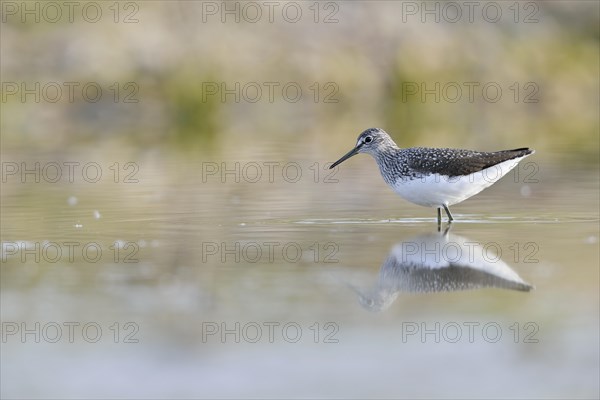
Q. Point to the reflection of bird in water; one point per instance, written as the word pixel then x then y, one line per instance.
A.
pixel 438 263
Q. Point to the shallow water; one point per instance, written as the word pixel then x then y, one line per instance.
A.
pixel 186 283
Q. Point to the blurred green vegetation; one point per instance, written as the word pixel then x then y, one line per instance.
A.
pixel 171 51
pixel 195 118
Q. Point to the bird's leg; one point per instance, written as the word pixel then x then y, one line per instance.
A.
pixel 450 219
pixel 448 227
pixel 439 218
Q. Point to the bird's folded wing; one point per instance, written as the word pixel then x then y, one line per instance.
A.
pixel 456 162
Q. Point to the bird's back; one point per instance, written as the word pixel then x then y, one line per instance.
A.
pixel 457 162
pixel 433 177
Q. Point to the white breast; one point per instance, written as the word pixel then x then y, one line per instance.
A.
pixel 436 190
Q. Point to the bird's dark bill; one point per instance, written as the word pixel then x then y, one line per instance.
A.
pixel 351 153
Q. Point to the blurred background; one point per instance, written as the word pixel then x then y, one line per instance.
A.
pixel 543 57
pixel 212 124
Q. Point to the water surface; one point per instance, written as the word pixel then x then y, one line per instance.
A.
pixel 208 287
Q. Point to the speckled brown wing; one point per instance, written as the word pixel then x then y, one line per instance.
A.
pixel 456 162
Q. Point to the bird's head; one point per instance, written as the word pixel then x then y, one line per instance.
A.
pixel 369 141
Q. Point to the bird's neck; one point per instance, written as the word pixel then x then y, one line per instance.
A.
pixel 390 163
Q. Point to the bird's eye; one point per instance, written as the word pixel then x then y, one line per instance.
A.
pixel 368 139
